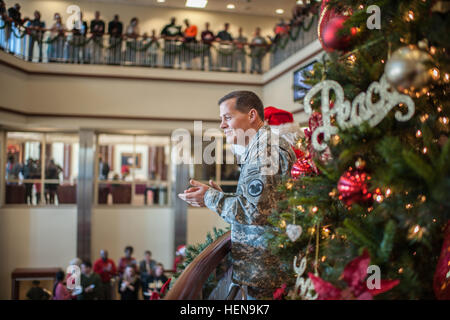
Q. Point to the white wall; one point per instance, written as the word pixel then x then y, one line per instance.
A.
pixel 143 228
pixel 35 238
pixel 200 221
pixel 116 97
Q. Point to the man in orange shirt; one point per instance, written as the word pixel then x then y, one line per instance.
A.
pixel 188 53
pixel 191 32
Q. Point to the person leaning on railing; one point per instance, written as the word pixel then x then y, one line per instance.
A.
pixel 301 12
pixel 258 48
pixel 143 46
pixel 282 28
pixel 207 40
pixel 148 49
pixel 153 49
pixel 132 34
pixel 13 21
pixel 225 56
pixel 171 33
pixel 189 41
pixel 15 14
pixel 115 29
pixel 35 31
pixel 77 47
pixel 97 30
pixel 239 54
pixel 57 39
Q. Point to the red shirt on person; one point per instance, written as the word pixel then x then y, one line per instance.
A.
pixel 106 269
pixel 124 262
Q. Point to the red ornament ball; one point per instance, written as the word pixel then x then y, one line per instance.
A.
pixel 353 188
pixel 331 37
pixel 302 167
pixel 441 283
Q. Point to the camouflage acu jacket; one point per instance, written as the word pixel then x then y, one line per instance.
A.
pixel 266 160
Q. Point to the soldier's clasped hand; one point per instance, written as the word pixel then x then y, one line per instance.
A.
pixel 194 195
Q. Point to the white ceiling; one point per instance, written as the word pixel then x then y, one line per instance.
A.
pixel 252 7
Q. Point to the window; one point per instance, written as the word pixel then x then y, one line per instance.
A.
pixel 300 87
pixel 133 169
pixel 42 168
pixel 31 183
pixel 224 170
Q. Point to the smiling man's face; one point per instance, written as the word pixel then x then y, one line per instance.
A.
pixel 234 123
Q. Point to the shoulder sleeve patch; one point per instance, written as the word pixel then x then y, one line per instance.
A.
pixel 255 187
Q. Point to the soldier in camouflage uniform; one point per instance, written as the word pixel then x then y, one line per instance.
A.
pixel 267 158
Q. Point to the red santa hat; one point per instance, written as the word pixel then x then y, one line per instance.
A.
pixel 181 250
pixel 275 116
pixel 282 123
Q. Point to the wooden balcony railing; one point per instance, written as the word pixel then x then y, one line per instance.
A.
pixel 189 285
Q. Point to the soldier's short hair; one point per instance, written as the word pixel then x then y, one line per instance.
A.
pixel 245 101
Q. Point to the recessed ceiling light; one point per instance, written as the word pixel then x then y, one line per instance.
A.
pixel 230 6
pixel 279 11
pixel 196 3
pixel 160 1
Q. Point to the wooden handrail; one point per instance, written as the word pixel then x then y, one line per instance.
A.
pixel 189 285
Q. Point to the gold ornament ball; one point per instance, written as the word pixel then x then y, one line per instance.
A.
pixel 406 69
pixel 360 164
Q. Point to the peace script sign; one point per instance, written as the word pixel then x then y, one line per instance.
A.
pixel 372 107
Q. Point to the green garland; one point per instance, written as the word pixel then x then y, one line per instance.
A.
pixel 20 36
pixel 292 35
pixel 84 42
pixel 101 45
pixel 132 45
pixel 192 251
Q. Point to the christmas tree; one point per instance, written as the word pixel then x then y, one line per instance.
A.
pixel 373 189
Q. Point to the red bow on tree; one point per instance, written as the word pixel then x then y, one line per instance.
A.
pixel 354 275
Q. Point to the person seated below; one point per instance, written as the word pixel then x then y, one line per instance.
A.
pixel 154 283
pixel 36 292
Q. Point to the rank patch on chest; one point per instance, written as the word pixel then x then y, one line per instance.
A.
pixel 255 187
